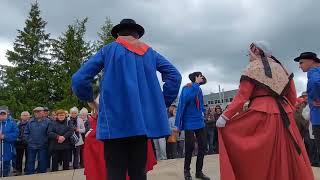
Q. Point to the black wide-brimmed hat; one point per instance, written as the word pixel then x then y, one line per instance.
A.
pixel 307 55
pixel 127 24
pixel 193 76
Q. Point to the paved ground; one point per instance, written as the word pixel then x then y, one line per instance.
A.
pixel 164 170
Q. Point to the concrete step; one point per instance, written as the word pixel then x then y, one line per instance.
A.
pixel 164 170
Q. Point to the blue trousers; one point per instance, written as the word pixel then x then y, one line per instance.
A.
pixel 6 169
pixel 42 161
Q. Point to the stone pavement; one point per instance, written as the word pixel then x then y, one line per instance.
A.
pixel 164 170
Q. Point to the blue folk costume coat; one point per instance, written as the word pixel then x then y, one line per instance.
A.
pixel 131 101
pixel 313 90
pixel 190 109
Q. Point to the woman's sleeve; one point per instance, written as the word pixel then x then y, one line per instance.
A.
pixel 245 90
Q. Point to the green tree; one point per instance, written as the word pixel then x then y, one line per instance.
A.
pixel 69 51
pixel 2 76
pixel 105 36
pixel 28 81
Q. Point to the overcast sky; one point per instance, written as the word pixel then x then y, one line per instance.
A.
pixel 195 35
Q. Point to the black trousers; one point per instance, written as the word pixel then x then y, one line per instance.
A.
pixel 189 147
pixel 171 149
pixel 58 156
pixel 76 157
pixel 316 133
pixel 126 155
pixel 20 153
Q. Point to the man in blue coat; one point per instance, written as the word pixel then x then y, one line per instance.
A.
pixel 8 135
pixel 190 118
pixel 310 63
pixel 36 136
pixel 132 106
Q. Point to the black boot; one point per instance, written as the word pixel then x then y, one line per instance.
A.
pixel 200 175
pixel 187 175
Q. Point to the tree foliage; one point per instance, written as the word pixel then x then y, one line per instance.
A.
pixel 69 51
pixel 43 66
pixel 28 81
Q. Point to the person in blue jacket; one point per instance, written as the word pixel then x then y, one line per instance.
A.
pixel 36 137
pixel 132 106
pixel 8 135
pixel 310 63
pixel 190 118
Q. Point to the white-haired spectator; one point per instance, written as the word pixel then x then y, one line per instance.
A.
pixel 84 116
pixel 78 126
pixel 84 110
pixel 74 110
pixel 21 145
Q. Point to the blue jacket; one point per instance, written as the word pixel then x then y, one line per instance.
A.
pixel 10 131
pixel 313 90
pixel 189 116
pixel 131 100
pixel 36 133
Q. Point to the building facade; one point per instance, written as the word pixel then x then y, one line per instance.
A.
pixel 223 98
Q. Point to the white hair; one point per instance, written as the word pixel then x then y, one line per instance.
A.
pixel 264 46
pixel 83 110
pixel 74 109
pixel 25 112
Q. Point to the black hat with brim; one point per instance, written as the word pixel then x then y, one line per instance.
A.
pixel 307 55
pixel 127 24
pixel 193 76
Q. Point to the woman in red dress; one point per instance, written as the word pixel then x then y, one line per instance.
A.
pixel 95 168
pixel 263 142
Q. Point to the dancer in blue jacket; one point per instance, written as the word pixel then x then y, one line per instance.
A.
pixel 129 82
pixel 190 118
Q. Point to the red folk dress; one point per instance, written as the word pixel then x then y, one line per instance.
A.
pixel 254 144
pixel 95 168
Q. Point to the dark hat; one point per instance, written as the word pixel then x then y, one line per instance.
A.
pixel 307 55
pixel 193 76
pixel 37 109
pixel 4 109
pixel 127 24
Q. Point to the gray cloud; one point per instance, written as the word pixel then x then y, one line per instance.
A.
pixel 210 36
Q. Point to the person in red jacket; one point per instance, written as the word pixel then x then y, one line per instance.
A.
pixel 95 167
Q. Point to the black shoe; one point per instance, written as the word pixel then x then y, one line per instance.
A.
pixel 315 164
pixel 187 175
pixel 200 175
